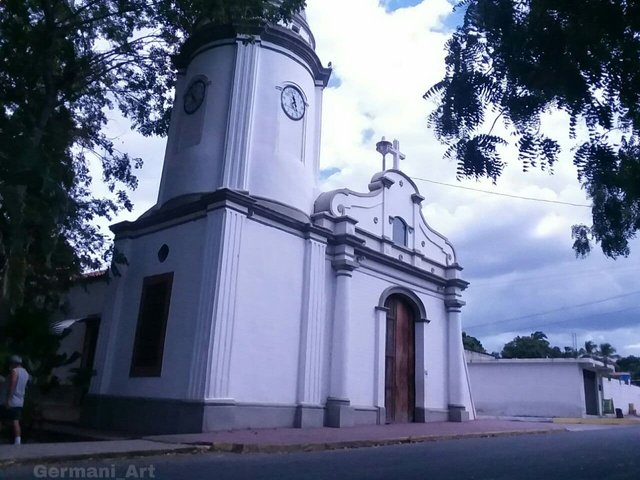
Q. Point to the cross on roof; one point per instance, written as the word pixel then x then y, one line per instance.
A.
pixel 384 147
pixel 396 154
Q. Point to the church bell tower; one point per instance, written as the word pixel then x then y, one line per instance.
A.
pixel 247 114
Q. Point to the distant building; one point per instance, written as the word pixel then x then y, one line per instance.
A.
pixel 545 387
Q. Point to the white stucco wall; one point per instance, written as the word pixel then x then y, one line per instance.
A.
pixel 431 375
pixel 536 388
pixel 83 300
pixel 284 158
pixel 195 146
pixel 118 328
pixel 240 137
pixel 266 337
pixel 621 393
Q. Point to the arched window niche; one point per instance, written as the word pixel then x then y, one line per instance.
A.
pixel 400 232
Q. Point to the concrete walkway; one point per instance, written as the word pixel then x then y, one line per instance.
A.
pixel 282 440
pixel 279 440
pixel 59 452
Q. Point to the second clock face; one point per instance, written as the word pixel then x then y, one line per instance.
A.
pixel 194 96
pixel 292 102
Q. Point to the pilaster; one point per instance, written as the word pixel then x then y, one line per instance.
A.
pixel 211 253
pixel 312 335
pixel 379 367
pixel 224 306
pixel 339 410
pixel 457 371
pixel 240 126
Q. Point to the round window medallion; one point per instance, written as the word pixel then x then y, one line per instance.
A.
pixel 375 220
pixel 163 253
pixel 401 183
pixel 194 96
pixel 423 244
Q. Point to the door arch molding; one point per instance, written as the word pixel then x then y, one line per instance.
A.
pixel 420 313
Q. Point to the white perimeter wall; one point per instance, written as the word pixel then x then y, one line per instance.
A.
pixel 621 393
pixel 527 389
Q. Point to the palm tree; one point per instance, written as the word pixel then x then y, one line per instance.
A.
pixel 590 349
pixel 607 353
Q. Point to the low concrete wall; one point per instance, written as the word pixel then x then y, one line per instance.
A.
pixel 621 393
pixel 527 389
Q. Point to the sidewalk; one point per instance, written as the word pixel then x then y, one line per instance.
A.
pixel 281 440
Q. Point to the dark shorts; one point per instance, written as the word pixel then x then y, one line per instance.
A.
pixel 10 413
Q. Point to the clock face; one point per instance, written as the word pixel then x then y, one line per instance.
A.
pixel 194 96
pixel 292 102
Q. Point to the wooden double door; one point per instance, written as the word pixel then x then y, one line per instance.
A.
pixel 400 362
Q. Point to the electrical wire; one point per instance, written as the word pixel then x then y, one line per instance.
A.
pixel 502 194
pixel 561 309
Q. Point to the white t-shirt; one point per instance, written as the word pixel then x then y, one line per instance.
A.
pixel 17 398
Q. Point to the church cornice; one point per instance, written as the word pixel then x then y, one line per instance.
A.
pixel 368 254
pixel 192 207
pixel 273 34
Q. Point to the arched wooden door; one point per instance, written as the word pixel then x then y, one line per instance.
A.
pixel 400 361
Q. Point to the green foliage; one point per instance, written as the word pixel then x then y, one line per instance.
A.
pixel 534 346
pixel 64 65
pixel 630 364
pixel 603 352
pixel 472 343
pixel 513 61
pixel 28 334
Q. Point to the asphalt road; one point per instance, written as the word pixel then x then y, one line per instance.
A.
pixel 604 454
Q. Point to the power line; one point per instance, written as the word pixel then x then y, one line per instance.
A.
pixel 524 279
pixel 502 194
pixel 599 314
pixel 561 309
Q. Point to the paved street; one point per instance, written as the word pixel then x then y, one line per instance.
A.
pixel 603 453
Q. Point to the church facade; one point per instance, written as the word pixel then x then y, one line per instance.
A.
pixel 248 299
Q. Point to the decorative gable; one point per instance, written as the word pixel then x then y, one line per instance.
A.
pixel 389 218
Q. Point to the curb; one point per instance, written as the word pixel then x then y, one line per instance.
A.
pixel 247 448
pixel 598 421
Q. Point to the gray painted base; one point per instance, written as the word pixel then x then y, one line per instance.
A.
pixel 309 416
pixel 339 413
pixel 458 413
pixel 153 416
pixel 433 415
pixel 142 415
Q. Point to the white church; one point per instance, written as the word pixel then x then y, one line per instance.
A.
pixel 250 299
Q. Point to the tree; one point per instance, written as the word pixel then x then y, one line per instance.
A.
pixel 472 343
pixel 64 65
pixel 630 364
pixel 534 346
pixel 590 350
pixel 607 353
pixel 512 61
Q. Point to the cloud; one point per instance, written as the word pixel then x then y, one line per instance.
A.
pixel 393 5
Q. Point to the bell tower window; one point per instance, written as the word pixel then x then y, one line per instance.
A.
pixel 399 232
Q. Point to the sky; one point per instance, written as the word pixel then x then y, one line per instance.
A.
pixel 516 253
